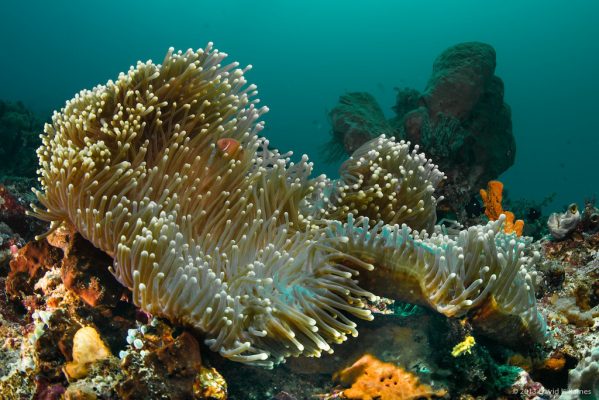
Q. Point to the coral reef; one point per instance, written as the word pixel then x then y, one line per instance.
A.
pixel 173 175
pixel 568 293
pixel 463 122
pixel 29 265
pixel 526 388
pixel 84 272
pixel 532 212
pixel 19 135
pixel 58 346
pixel 590 217
pixel 17 354
pixel 575 250
pixel 16 227
pixel 155 354
pixel 9 243
pixel 163 170
pixel 406 100
pixel 421 343
pixel 574 236
pixel 165 202
pixel 11 211
pixel 458 80
pixel 479 269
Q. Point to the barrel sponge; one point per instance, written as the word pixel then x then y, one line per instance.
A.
pixel 164 170
pixel 387 181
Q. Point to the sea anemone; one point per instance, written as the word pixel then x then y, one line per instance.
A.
pixel 386 181
pixel 164 170
pixel 481 269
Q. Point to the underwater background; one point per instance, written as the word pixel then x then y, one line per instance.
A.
pixel 306 54
pixel 170 250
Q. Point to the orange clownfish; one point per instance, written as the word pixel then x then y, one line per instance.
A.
pixel 229 146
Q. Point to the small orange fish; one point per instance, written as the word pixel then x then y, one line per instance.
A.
pixel 228 146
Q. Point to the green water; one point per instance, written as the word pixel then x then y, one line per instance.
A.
pixel 305 54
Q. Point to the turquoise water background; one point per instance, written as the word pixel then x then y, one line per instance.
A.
pixel 307 53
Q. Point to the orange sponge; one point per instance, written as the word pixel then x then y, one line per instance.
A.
pixel 492 198
pixel 370 378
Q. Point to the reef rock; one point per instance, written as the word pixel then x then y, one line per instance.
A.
pixel 9 243
pixel 84 271
pixel 158 365
pixel 29 265
pixel 15 197
pixel 569 299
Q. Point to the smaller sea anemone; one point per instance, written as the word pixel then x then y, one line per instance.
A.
pixel 386 181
